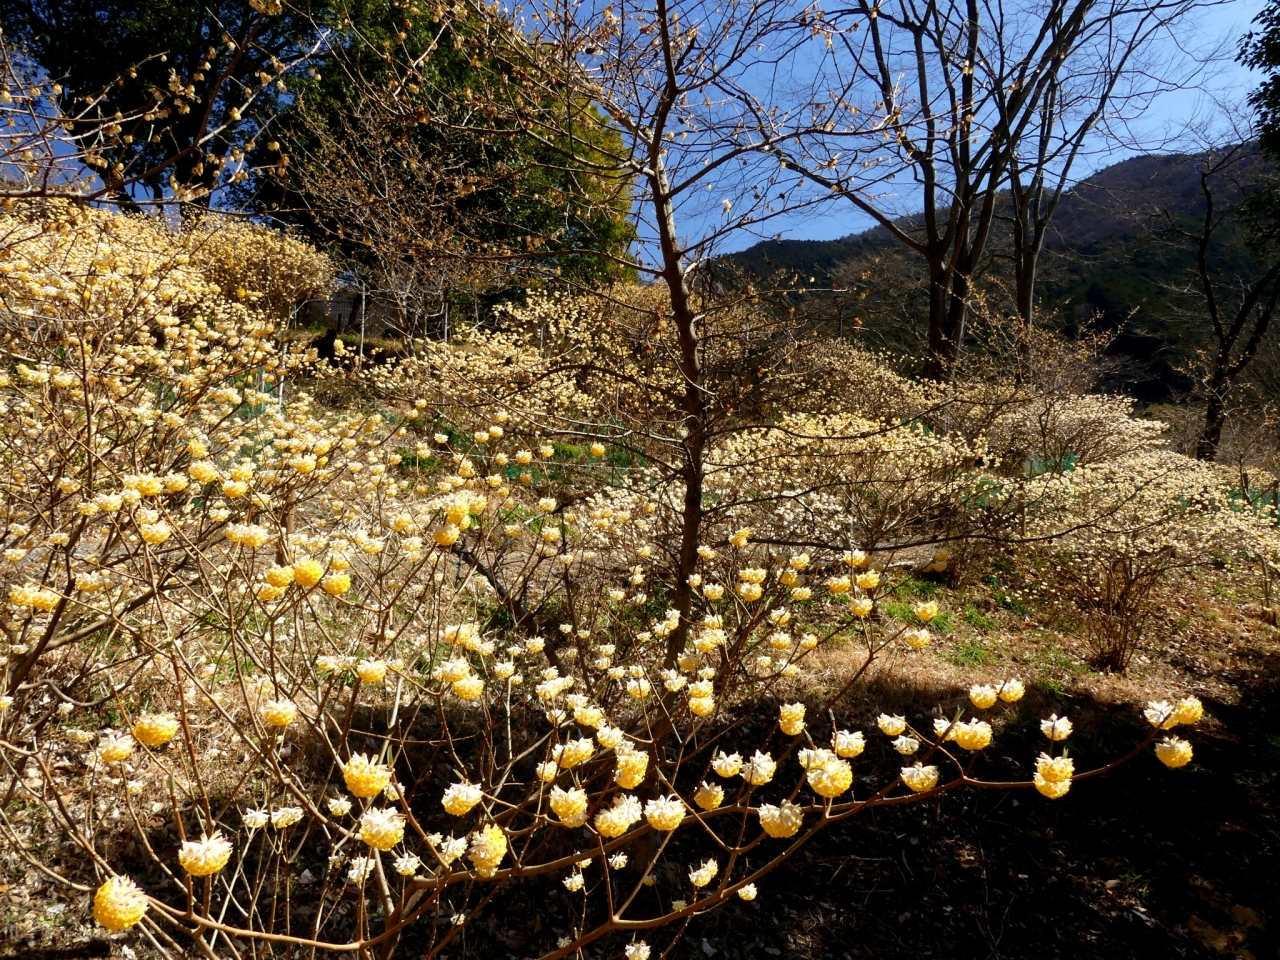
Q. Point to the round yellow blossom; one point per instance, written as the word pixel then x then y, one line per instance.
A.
pixel 155 533
pixel 1162 715
pixel 750 592
pixel 638 688
pixel 589 715
pixel 1053 789
pixel 205 857
pixel 382 829
pixel 1056 728
pixel 982 696
pixel 574 752
pixel 861 607
pixel 202 471
pixel 459 798
pixel 617 819
pixel 609 737
pixel 891 726
pixel 926 611
pixel 727 765
pixel 447 535
pixel 631 769
pixel 279 713
pixel 119 904
pixel 279 576
pixel 454 669
pixel 307 573
pixel 702 706
pixel 974 735
pixel 155 730
pixel 849 744
pixel 837 586
pixel 759 769
pixel 664 813
pixel 920 778
pixel 469 688
pixel 1188 710
pixel 597 449
pixel 1011 691
pixel 371 671
pixel 917 639
pixel 791 718
pixel 747 892
pixel 869 580
pixel 365 777
pixel 336 584
pixel 569 805
pixel 703 875
pixel 709 795
pixel 1173 752
pixel 783 820
pixel 1055 769
pixel 830 778
pixel 266 593
pixel 115 748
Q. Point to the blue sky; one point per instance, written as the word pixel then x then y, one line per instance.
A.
pixel 1168 114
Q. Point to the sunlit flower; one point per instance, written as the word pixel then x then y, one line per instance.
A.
pixel 617 819
pixel 1189 710
pixel 459 798
pixel 791 719
pixel 1053 789
pixel 1056 728
pixel 119 904
pixel 664 813
pixel 1173 752
pixel 1055 769
pixel 569 805
pixel 926 611
pixel 709 796
pixel 407 865
pixel 631 768
pixel 704 874
pixel 920 778
pixel 906 745
pixel 382 829
pixel 983 696
pixel 206 856
pixel 727 765
pixel 891 726
pixel 782 820
pixel 115 748
pixel 155 730
pixel 849 744
pixel 282 817
pixel 974 735
pixel 1011 691
pixel 830 778
pixel 371 671
pixel 365 777
pixel 747 892
pixel 278 713
pixel 759 769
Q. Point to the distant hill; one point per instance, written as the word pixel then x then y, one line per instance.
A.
pixel 1108 263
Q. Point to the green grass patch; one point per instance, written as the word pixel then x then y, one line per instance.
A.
pixel 971 655
pixel 976 618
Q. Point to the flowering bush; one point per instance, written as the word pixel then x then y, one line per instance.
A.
pixel 363 667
